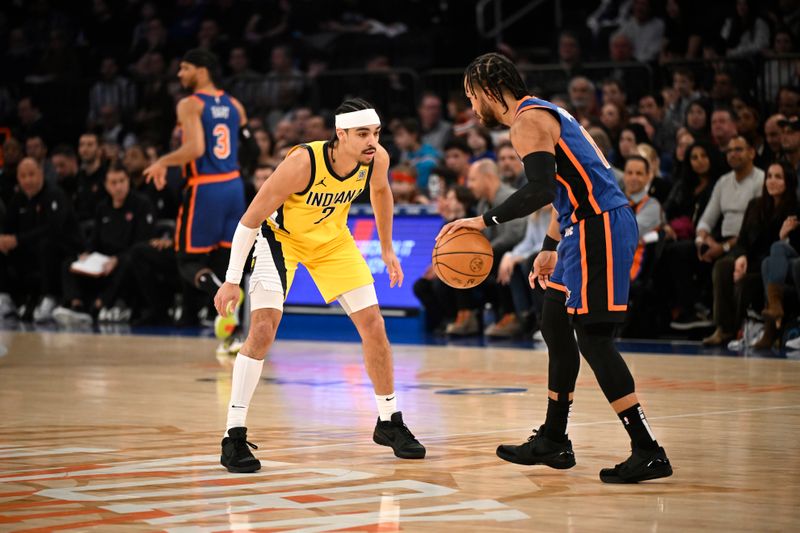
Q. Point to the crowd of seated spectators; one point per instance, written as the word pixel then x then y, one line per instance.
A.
pixel 707 154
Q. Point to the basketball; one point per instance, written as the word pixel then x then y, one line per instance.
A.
pixel 462 259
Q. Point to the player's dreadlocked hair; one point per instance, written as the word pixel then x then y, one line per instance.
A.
pixel 495 73
pixel 348 106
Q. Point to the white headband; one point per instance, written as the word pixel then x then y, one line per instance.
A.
pixel 357 119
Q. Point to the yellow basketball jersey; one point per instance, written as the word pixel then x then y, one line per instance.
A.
pixel 318 215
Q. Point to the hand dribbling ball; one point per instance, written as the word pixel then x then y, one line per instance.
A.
pixel 463 259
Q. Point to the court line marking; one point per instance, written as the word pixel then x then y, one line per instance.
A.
pixel 527 428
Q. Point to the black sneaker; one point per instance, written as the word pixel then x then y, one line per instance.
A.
pixel 539 450
pixel 236 455
pixel 396 434
pixel 640 466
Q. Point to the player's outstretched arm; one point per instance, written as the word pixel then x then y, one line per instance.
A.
pixel 380 196
pixel 193 146
pixel 534 134
pixel 291 176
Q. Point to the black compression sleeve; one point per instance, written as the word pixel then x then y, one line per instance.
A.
pixel 540 168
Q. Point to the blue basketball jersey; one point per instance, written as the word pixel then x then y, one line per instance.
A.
pixel 586 184
pixel 220 120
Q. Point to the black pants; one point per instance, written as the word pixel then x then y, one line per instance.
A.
pixel 437 299
pixel 33 271
pixel 155 274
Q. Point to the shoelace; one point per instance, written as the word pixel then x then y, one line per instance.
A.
pixel 535 434
pixel 404 430
pixel 237 443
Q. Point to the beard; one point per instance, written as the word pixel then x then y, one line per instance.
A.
pixel 488 118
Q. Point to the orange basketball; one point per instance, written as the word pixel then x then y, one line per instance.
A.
pixel 463 259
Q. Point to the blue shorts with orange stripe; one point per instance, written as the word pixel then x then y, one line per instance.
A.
pixel 594 265
pixel 212 207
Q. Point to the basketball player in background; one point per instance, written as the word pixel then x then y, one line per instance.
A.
pixel 305 202
pixel 212 124
pixel 584 264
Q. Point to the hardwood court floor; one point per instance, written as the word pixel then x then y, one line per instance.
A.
pixel 121 433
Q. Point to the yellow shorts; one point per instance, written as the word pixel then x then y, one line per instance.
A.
pixel 336 268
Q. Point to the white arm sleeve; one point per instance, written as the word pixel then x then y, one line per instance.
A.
pixel 243 240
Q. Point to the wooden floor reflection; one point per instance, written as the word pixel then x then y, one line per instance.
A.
pixel 122 433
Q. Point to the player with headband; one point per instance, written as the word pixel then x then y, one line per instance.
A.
pixel 305 203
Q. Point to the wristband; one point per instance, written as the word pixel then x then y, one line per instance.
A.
pixel 242 243
pixel 549 244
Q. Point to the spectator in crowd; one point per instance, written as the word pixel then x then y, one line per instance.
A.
pixel 457 154
pixel 745 33
pixel 645 31
pixel 283 85
pixel 480 142
pixel 782 253
pixel 656 187
pixel 569 53
pixel 680 274
pixel 614 93
pixel 514 269
pixel 437 298
pixel 788 100
pixel 12 155
pixel 683 83
pixel 582 98
pixel 613 118
pixel 266 146
pixel 112 130
pixel 682 32
pixel 603 142
pixel 736 276
pixel 40 233
pixel 790 140
pixel 684 141
pixel 698 118
pixel 65 163
pixel 729 200
pixel 630 138
pixel 243 82
pixel 405 190
pixel 261 175
pixel 36 148
pixel 510 165
pixel 436 131
pixel 771 149
pixel 31 121
pixel 121 220
pixel 778 70
pixel 649 219
pixel 285 135
pixel 165 202
pixel 91 177
pixel 748 124
pixel 484 182
pixel 318 127
pixel 422 157
pixel 652 106
pixel 723 90
pixel 723 127
pixel 155 116
pixel 112 90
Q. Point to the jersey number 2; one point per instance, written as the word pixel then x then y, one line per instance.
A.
pixel 222 148
pixel 328 211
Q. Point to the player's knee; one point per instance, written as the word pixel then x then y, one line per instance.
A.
pixel 261 335
pixel 555 322
pixel 372 326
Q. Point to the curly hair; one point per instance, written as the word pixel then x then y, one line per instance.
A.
pixel 495 73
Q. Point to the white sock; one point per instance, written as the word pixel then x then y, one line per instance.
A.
pixel 246 374
pixel 386 406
